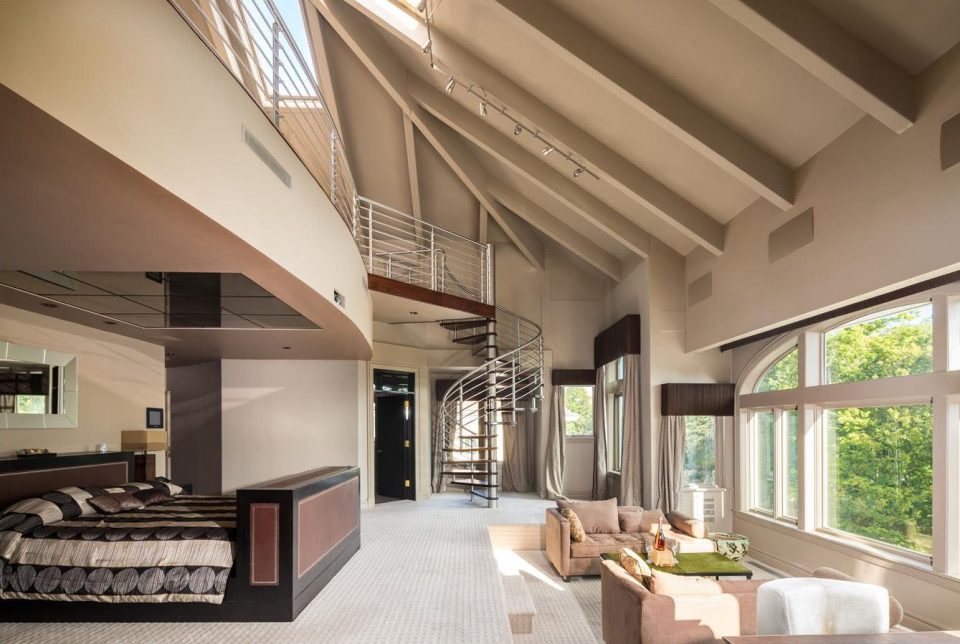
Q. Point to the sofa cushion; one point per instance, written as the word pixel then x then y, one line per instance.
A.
pixel 576 528
pixel 687 524
pixel 690 544
pixel 597 517
pixel 663 583
pixel 630 517
pixel 650 519
pixel 598 544
pixel 636 565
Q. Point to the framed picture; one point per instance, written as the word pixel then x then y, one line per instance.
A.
pixel 154 418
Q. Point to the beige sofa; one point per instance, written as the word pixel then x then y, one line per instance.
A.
pixel 571 558
pixel 632 614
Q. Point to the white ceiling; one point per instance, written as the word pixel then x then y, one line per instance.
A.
pixel 692 46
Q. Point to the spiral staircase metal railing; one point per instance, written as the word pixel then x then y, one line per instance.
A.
pixel 257 47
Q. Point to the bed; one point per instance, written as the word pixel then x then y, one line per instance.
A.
pixel 259 556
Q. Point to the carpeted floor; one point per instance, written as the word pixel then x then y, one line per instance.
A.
pixel 425 573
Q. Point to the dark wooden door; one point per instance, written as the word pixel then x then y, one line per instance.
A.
pixel 394 446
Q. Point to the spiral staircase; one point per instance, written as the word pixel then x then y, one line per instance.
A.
pixel 494 394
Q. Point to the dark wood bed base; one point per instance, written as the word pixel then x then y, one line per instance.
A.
pixel 293 535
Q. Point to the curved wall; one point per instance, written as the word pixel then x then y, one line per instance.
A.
pixel 133 78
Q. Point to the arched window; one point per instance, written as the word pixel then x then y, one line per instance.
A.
pixel 782 374
pixel 850 453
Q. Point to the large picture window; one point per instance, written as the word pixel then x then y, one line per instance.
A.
pixel 837 424
pixel 880 474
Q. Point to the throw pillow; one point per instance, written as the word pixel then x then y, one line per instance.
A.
pixel 688 525
pixel 116 502
pixel 650 520
pixel 663 583
pixel 152 496
pixel 597 517
pixel 636 566
pixel 630 517
pixel 576 528
pixel 166 485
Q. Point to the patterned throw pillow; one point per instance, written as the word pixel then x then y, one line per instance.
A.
pixel 166 485
pixel 576 528
pixel 152 496
pixel 116 502
pixel 636 566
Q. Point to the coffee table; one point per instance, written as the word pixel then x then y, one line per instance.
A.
pixel 698 564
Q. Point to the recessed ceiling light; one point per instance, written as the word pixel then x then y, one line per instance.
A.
pixel 414 313
pixel 285 348
pixel 109 322
pixel 49 305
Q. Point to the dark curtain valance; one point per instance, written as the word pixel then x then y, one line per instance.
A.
pixel 697 399
pixel 623 338
pixel 572 377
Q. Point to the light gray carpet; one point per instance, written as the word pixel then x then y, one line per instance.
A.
pixel 425 573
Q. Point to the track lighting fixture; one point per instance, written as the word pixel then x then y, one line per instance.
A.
pixel 422 6
pixel 578 172
pixel 451 84
pixel 483 108
pixel 547 150
pixel 426 47
pixel 517 131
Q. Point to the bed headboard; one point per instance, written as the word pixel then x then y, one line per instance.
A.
pixel 35 475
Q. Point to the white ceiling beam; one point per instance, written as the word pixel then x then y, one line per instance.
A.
pixel 626 177
pixel 557 230
pixel 317 36
pixel 375 55
pixel 665 106
pixel 839 59
pixel 412 173
pixel 488 138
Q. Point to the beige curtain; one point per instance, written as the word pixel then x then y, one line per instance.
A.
pixel 519 452
pixel 600 436
pixel 555 440
pixel 673 432
pixel 631 484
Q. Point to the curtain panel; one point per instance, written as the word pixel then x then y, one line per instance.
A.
pixel 600 463
pixel 631 484
pixel 519 452
pixel 673 430
pixel 556 434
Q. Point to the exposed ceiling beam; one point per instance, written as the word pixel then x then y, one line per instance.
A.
pixel 457 155
pixel 488 138
pixel 375 55
pixel 317 35
pixel 626 177
pixel 665 106
pixel 412 174
pixel 849 66
pixel 557 230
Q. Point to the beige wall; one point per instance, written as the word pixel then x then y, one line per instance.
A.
pixel 281 417
pixel 884 215
pixel 655 289
pixel 118 379
pixel 172 112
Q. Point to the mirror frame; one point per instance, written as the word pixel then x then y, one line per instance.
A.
pixel 70 386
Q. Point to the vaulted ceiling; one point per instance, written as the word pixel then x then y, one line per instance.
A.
pixel 681 112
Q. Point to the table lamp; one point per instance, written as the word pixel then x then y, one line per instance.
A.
pixel 143 440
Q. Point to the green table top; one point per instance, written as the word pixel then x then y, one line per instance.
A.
pixel 693 564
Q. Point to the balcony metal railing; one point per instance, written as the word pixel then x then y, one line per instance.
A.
pixel 252 40
pixel 401 247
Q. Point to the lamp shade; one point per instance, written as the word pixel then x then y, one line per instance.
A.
pixel 143 440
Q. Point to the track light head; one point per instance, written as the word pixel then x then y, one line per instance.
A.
pixel 451 84
pixel 422 6
pixel 578 172
pixel 547 150
pixel 426 47
pixel 517 131
pixel 483 108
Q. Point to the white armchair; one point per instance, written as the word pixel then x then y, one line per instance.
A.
pixel 816 606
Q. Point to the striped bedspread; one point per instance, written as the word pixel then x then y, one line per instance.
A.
pixel 59 548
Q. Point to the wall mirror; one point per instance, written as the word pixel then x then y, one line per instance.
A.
pixel 38 387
